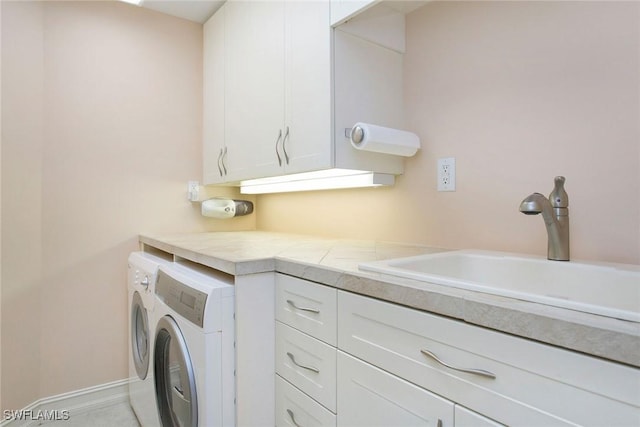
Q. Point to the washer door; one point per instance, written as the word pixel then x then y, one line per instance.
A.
pixel 174 377
pixel 139 336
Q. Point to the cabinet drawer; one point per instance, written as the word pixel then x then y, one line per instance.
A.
pixel 307 363
pixel 307 306
pixel 294 408
pixel 534 382
pixel 368 396
pixel 467 418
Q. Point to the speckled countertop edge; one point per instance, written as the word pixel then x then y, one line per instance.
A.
pixel 333 262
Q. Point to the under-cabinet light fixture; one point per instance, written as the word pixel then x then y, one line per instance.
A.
pixel 319 180
pixel 135 2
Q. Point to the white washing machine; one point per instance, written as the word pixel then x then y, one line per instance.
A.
pixel 194 356
pixel 142 274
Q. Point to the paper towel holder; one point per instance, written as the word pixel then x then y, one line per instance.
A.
pixel 380 139
pixel 356 134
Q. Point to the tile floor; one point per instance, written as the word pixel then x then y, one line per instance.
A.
pixel 120 415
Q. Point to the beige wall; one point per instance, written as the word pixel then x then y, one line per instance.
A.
pixel 22 177
pixel 517 92
pixel 102 105
pixel 1 209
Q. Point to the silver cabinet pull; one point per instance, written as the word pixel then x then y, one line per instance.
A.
pixel 293 419
pixel 480 372
pixel 220 162
pixel 278 143
pixel 309 368
pixel 224 160
pixel 284 146
pixel 311 310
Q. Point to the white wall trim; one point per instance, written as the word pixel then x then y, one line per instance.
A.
pixel 75 402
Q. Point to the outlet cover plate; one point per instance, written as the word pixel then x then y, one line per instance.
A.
pixel 447 174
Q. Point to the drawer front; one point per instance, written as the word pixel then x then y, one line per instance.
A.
pixel 307 363
pixel 294 408
pixel 467 418
pixel 368 396
pixel 532 380
pixel 307 306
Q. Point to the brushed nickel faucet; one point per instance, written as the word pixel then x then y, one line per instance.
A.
pixel 555 212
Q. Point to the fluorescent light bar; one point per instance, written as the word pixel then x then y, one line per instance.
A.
pixel 320 180
pixel 136 2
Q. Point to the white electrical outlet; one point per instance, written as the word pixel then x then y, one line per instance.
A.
pixel 193 191
pixel 447 174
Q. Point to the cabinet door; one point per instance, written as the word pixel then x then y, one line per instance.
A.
pixel 213 98
pixel 368 397
pixel 254 98
pixel 307 124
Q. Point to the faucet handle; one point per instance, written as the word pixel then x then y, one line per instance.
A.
pixel 559 197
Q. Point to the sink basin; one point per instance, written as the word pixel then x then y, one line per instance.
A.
pixel 611 290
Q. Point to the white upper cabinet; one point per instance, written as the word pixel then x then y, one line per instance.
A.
pixel 267 67
pixel 274 95
pixel 213 123
pixel 341 10
pixel 307 122
pixel 254 74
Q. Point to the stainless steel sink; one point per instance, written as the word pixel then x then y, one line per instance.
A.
pixel 611 290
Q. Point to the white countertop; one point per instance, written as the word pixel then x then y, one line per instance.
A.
pixel 334 262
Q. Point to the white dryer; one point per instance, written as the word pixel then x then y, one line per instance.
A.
pixel 142 274
pixel 194 356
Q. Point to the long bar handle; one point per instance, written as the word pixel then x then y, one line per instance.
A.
pixel 480 372
pixel 311 310
pixel 309 368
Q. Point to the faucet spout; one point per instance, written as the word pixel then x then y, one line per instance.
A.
pixel 555 213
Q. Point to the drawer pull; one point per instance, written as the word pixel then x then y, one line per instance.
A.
pixel 311 310
pixel 480 372
pixel 293 419
pixel 309 368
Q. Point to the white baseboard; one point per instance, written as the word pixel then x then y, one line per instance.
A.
pixel 73 403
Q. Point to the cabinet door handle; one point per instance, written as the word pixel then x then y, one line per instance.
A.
pixel 220 162
pixel 309 368
pixel 480 372
pixel 224 159
pixel 293 419
pixel 311 310
pixel 284 145
pixel 278 143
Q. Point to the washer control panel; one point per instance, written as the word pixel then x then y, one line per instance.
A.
pixel 184 300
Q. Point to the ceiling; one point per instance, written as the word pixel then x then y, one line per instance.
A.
pixel 193 10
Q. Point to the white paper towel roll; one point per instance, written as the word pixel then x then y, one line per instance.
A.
pixel 380 139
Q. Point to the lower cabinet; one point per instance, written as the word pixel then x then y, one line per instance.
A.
pixel 393 366
pixel 467 418
pixel 368 397
pixel 296 409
